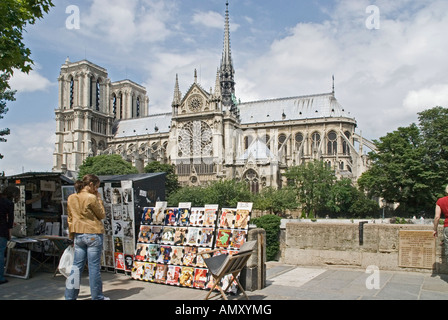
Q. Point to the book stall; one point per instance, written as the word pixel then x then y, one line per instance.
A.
pixel 39 234
pixel 170 239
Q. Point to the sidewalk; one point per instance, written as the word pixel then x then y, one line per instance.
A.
pixel 284 282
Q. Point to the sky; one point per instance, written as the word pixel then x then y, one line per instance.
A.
pixel 388 58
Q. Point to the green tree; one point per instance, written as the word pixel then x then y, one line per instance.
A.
pixel 271 224
pixel 15 15
pixel 276 201
pixel 106 165
pixel 5 95
pixel 14 55
pixel 313 182
pixel 172 183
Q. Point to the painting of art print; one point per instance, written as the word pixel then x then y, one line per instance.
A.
pixel 180 236
pixel 144 235
pixel 242 219
pixel 158 216
pixel 238 238
pixel 164 255
pixel 172 275
pixel 200 278
pixel 197 217
pixel 210 215
pixel 171 216
pixel 168 235
pixel 160 274
pixel 192 237
pixel 138 270
pixel 189 258
pixel 153 252
pixel 186 277
pixel 18 263
pixel 142 252
pixel 146 215
pixel 117 228
pixel 118 244
pixel 227 218
pixel 150 269
pixel 177 253
pixel 119 261
pixel 156 233
pixel 128 262
pixel 206 237
pixel 223 238
pixel 183 217
pixel 200 259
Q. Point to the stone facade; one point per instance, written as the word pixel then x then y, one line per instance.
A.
pixel 208 135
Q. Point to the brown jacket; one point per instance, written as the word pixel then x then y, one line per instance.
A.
pixel 85 213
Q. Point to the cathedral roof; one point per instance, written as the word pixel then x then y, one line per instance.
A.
pixel 294 108
pixel 157 123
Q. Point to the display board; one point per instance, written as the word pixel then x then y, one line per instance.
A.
pixel 119 238
pixel 170 239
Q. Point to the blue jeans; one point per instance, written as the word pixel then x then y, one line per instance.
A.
pixel 3 243
pixel 87 247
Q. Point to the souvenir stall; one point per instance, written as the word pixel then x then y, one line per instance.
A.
pixel 170 239
pixel 38 234
pixel 124 197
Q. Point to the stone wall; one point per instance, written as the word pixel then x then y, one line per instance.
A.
pixel 320 244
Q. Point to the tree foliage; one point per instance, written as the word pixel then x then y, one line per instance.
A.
pixel 276 201
pixel 411 164
pixel 14 16
pixel 14 55
pixel 106 165
pixel 271 224
pixel 312 182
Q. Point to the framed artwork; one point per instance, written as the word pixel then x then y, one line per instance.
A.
pixel 67 191
pixel 227 218
pixel 18 263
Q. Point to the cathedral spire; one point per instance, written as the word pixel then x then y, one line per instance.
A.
pixel 227 72
pixel 177 94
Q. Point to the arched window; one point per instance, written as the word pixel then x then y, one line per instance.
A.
pixel 315 137
pixel 252 180
pixel 345 146
pixel 138 107
pixel 121 105
pixel 90 91
pixel 298 139
pixel 114 105
pixel 332 145
pixel 72 92
pixel 247 142
pixel 97 95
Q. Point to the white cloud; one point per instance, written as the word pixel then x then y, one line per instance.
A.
pixel 31 82
pixel 28 148
pixel 127 23
pixel 426 98
pixel 212 19
pixel 382 76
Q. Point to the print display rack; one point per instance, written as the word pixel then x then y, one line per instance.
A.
pixel 171 238
pixel 119 237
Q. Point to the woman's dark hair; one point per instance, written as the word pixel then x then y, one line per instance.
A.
pixel 90 178
pixel 11 192
pixel 78 186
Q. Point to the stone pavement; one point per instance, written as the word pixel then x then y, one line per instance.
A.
pixel 284 282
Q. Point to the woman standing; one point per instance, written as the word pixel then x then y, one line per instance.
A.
pixel 85 212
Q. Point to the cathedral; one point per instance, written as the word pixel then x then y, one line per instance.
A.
pixel 208 135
